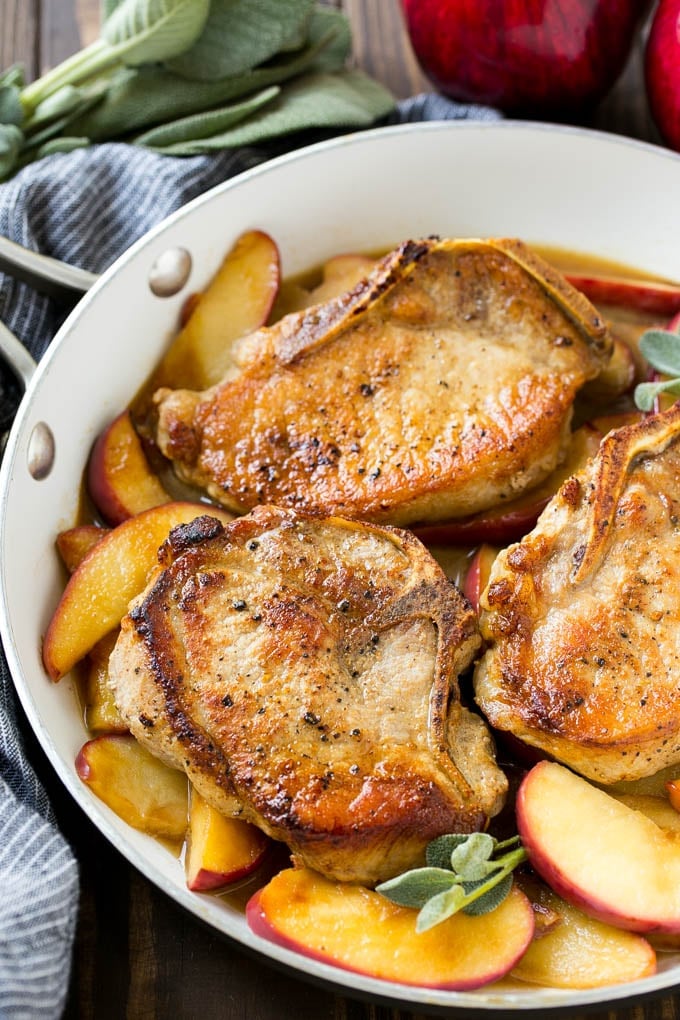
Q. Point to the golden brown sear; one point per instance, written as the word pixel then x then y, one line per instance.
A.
pixel 582 616
pixel 303 672
pixel 440 386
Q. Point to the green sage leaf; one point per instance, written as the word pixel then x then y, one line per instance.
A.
pixel 11 110
pixel 661 348
pixel 490 899
pixel 150 31
pixel 646 393
pixel 64 143
pixel 11 140
pixel 439 850
pixel 108 7
pixel 440 907
pixel 414 888
pixel 147 96
pixel 333 27
pixel 471 859
pixel 241 34
pixel 203 125
pixel 344 100
pixel 13 75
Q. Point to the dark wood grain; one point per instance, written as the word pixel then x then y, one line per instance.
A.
pixel 137 954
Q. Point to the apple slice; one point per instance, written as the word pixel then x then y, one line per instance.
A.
pixel 600 855
pixel 101 714
pixel 340 274
pixel 608 422
pixel 359 930
pixel 478 573
pixel 119 477
pixel 577 951
pixel 141 789
pixel 508 523
pixel 640 295
pixel 221 850
pixel 74 544
pixel 113 572
pixel 237 301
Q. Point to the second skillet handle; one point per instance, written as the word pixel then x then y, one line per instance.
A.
pixel 46 275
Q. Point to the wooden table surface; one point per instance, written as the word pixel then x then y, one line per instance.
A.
pixel 137 955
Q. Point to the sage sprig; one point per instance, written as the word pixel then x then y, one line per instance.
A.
pixel 661 348
pixel 469 872
pixel 192 76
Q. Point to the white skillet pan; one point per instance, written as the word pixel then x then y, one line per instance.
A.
pixel 583 191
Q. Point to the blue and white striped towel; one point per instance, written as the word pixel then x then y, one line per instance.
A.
pixel 85 208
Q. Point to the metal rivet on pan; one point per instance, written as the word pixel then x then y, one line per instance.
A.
pixel 41 450
pixel 170 272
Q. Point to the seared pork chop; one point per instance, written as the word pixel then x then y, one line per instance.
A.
pixel 438 387
pixel 303 672
pixel 582 617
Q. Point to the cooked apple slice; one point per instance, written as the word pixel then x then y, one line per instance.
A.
pixel 113 572
pixel 74 544
pixel 340 274
pixel 237 301
pixel 577 951
pixel 510 522
pixel 660 810
pixel 119 477
pixel 359 930
pixel 221 850
pixel 600 855
pixel 608 422
pixel 101 714
pixel 141 789
pixel 640 295
pixel 478 573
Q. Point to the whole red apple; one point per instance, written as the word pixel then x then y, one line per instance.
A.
pixel 662 71
pixel 541 58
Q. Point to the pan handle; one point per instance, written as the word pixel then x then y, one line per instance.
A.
pixel 43 273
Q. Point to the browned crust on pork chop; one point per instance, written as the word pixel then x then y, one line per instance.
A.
pixel 582 616
pixel 438 387
pixel 303 672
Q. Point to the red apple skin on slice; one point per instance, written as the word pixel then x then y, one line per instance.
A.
pixel 220 850
pixel 74 544
pixel 358 930
pixel 113 572
pixel 119 478
pixel 478 573
pixel 237 301
pixel 600 855
pixel 508 523
pixel 577 951
pixel 139 788
pixel 639 295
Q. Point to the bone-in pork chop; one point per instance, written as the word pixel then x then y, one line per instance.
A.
pixel 303 672
pixel 440 386
pixel 582 616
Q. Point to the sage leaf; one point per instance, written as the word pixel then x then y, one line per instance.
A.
pixel 347 99
pixel 471 859
pixel 11 140
pixel 440 907
pixel 333 29
pixel 66 102
pixel 148 31
pixel 108 7
pixel 202 125
pixel 13 75
pixel 64 143
pixel 240 34
pixel 136 32
pixel 414 888
pixel 147 96
pixel 661 348
pixel 11 110
pixel 646 393
pixel 490 899
pixel 439 850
